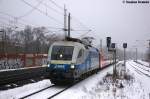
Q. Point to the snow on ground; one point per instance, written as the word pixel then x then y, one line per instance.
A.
pixel 141 68
pixel 85 89
pixel 141 78
pixel 24 90
pixel 80 88
pixel 97 86
pixel 47 93
pixel 142 88
pixel 144 63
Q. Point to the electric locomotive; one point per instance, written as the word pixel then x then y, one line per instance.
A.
pixel 71 59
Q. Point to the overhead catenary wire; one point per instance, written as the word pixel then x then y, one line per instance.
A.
pixel 30 11
pixel 73 17
pixel 14 17
pixel 81 36
pixel 61 8
pixel 42 12
pixel 9 20
pixel 53 9
pixel 53 27
pixel 22 23
pixel 46 14
pixel 4 23
pixel 10 24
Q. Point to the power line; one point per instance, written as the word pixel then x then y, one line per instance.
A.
pixel 72 17
pixel 11 20
pixel 56 11
pixel 4 18
pixel 85 33
pixel 80 30
pixel 56 4
pixel 6 14
pixel 53 27
pixel 68 12
pixel 80 23
pixel 29 12
pixel 15 18
pixel 45 13
pixel 52 18
pixel 3 22
pixel 6 24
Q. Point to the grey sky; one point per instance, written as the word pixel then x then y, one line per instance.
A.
pixel 123 22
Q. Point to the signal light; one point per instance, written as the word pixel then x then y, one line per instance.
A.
pixel 124 45
pixel 113 45
pixel 108 41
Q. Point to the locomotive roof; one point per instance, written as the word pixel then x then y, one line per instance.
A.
pixel 68 43
pixel 78 40
pixel 73 42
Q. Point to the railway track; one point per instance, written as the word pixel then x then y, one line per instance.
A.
pixel 143 68
pixel 139 71
pixel 59 92
pixel 49 89
pixel 142 64
pixel 36 92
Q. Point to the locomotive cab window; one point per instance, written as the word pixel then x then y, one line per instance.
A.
pixel 62 52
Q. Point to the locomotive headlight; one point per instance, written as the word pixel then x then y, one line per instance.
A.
pixel 72 66
pixel 48 65
pixel 60 55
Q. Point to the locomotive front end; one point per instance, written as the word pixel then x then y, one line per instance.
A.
pixel 60 63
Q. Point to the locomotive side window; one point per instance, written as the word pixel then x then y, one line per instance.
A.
pixel 80 53
pixel 80 56
pixel 62 52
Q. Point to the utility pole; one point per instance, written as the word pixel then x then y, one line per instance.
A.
pixel 69 25
pixel 2 50
pixel 100 45
pixel 124 57
pixel 124 46
pixel 5 49
pixel 100 51
pixel 65 21
pixel 136 54
pixel 149 52
pixel 3 40
pixel 112 48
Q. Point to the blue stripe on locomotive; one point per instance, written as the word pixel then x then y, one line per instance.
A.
pixel 60 67
pixel 87 64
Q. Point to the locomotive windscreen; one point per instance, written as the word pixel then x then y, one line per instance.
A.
pixel 62 52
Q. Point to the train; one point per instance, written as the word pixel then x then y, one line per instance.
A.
pixel 72 59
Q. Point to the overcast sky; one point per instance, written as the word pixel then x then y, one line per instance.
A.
pixel 123 22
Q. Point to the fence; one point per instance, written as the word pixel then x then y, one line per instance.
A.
pixel 13 61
